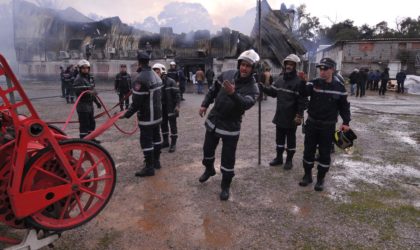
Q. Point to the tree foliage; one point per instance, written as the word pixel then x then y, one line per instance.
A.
pixel 311 33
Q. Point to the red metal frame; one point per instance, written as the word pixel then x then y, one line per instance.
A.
pixel 32 186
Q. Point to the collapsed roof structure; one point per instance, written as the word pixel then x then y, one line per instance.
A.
pixel 47 35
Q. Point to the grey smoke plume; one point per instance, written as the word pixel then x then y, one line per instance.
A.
pixel 244 23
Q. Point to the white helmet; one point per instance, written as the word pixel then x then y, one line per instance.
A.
pixel 83 62
pixel 250 56
pixel 161 67
pixel 172 63
pixel 292 58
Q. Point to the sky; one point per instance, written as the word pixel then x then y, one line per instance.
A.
pixel 222 11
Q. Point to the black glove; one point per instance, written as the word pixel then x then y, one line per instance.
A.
pixel 98 105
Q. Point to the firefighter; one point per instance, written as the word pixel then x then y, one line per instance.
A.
pixel 123 86
pixel 328 98
pixel 85 81
pixel 173 72
pixel 289 111
pixel 68 78
pixel 147 103
pixel 234 92
pixel 170 107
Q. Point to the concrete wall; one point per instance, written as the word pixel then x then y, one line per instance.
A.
pixel 373 55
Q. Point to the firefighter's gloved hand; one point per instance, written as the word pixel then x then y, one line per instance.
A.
pixel 298 120
pixel 98 105
pixel 202 111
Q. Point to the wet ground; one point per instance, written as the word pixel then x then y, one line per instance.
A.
pixel 372 196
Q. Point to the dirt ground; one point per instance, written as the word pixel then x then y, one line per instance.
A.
pixel 371 200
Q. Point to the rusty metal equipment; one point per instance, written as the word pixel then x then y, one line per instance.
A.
pixel 49 182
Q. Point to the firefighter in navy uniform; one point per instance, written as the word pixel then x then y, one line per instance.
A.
pixel 173 72
pixel 170 107
pixel 123 86
pixel 234 92
pixel 289 111
pixel 85 111
pixel 328 98
pixel 68 78
pixel 147 103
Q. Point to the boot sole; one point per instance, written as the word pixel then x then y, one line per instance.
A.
pixel 202 180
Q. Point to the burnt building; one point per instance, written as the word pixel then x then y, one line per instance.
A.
pixel 46 39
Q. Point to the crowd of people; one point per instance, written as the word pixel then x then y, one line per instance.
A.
pixel 364 79
pixel 157 94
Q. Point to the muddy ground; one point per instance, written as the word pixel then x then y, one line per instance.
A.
pixel 371 200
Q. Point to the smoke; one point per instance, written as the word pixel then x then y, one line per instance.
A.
pixel 185 17
pixel 244 23
pixel 51 4
pixel 6 30
pixel 149 24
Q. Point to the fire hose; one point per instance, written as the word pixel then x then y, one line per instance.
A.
pixel 105 112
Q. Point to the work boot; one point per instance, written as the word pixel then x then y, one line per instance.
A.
pixel 208 172
pixel 307 177
pixel 172 148
pixel 165 142
pixel 156 159
pixel 319 186
pixel 289 160
pixel 225 185
pixel 148 169
pixel 279 158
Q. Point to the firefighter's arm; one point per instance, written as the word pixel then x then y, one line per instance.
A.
pixel 245 101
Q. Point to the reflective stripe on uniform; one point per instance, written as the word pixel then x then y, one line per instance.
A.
pixel 324 165
pixel 224 132
pixel 221 131
pixel 280 146
pixel 140 93
pixel 157 143
pixel 209 158
pixel 226 169
pixel 291 149
pixel 330 92
pixel 285 90
pixel 148 149
pixel 143 123
pixel 307 162
pixel 210 124
pixel 168 88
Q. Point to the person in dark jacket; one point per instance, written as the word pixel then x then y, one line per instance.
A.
pixel 182 83
pixel 68 78
pixel 354 80
pixel 123 86
pixel 328 98
pixel 361 85
pixel 289 111
pixel 384 81
pixel 371 80
pixel 400 81
pixel 234 92
pixel 147 102
pixel 85 81
pixel 63 91
pixel 209 76
pixel 170 107
pixel 376 80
